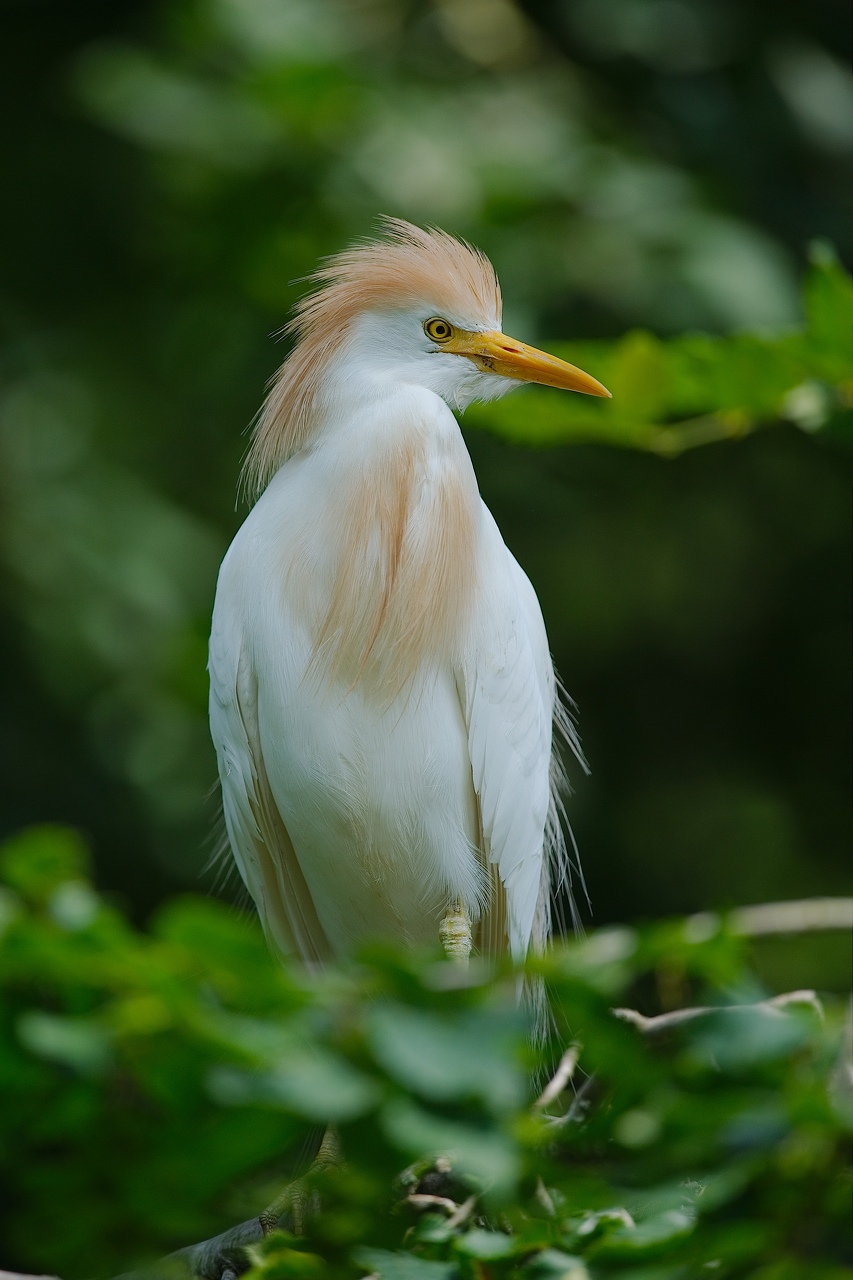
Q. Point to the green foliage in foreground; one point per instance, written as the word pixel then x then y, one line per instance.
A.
pixel 152 1081
pixel 672 395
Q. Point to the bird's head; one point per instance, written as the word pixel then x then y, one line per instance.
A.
pixel 417 306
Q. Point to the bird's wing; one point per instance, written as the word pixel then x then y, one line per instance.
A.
pixel 506 689
pixel 259 840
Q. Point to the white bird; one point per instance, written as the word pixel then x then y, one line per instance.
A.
pixel 382 694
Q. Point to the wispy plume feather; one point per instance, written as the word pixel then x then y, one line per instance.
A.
pixel 407 266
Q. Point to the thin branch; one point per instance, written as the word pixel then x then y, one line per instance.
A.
pixel 464 1211
pixel 578 1102
pixel 805 915
pixel 662 1021
pixel 561 1077
pixel 17 1275
pixel 421 1200
pixel 690 433
pixel 544 1197
pixel 458 1212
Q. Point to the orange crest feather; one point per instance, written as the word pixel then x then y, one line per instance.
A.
pixel 408 266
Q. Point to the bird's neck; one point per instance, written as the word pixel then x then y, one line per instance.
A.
pixel 326 380
pixel 405 539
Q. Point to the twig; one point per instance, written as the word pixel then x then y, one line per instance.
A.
pixel 691 432
pixel 423 1201
pixel 662 1021
pixel 544 1197
pixel 560 1078
pixel 17 1275
pixel 458 1212
pixel 805 915
pixel 560 1122
pixel 465 1209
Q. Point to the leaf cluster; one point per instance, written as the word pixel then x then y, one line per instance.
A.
pixel 674 394
pixel 155 1082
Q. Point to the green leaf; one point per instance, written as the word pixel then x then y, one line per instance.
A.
pixel 736 1038
pixel 553 1264
pixel 73 1042
pixel 640 376
pixel 651 1236
pixel 312 1083
pixel 484 1154
pixel 444 1058
pixel 39 860
pixel 402 1266
pixel 602 960
pixel 693 389
pixel 486 1244
pixel 74 905
pixel 828 297
pixel 277 1259
pixel 10 908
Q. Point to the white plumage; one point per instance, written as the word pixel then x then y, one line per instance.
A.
pixel 382 693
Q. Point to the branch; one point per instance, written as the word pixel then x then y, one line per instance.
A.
pixel 806 915
pixel 689 433
pixel 463 1211
pixel 420 1200
pixel 561 1077
pixel 16 1275
pixel 458 1212
pixel 662 1021
pixel 574 1111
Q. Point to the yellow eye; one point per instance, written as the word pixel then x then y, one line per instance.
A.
pixel 437 329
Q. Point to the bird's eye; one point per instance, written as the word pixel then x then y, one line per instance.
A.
pixel 437 329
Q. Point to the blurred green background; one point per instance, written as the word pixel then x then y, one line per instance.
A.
pixel 170 170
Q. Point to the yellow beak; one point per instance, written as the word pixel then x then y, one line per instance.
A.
pixel 496 353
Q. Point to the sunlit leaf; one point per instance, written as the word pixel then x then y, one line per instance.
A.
pixel 692 389
pixel 74 1042
pixel 486 1244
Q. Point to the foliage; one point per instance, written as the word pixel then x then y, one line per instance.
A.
pixel 691 390
pixel 153 1081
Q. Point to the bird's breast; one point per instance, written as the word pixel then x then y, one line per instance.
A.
pixel 376 540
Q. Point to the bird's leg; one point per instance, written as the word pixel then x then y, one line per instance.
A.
pixel 455 933
pixel 296 1196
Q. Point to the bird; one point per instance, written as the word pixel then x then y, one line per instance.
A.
pixel 383 702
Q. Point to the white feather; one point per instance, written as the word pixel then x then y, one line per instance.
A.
pixel 356 809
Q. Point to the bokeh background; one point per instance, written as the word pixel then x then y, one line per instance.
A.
pixel 169 170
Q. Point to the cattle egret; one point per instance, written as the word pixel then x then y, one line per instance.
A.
pixel 382 695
